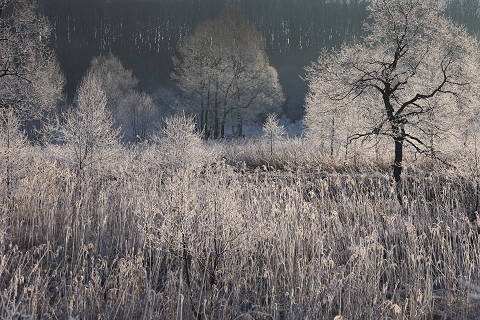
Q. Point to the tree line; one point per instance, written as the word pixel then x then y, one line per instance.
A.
pixel 145 34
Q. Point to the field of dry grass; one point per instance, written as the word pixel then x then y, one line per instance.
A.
pixel 148 236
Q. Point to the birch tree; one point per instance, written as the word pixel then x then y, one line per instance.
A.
pixel 413 76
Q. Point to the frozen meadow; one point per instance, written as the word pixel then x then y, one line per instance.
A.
pixel 170 230
pixel 106 212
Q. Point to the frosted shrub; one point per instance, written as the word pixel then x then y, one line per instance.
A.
pixel 178 159
pixel 180 147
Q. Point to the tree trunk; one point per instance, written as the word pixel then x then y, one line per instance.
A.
pixel 332 138
pixel 216 124
pixel 399 138
pixel 9 171
pixel 224 120
pixel 240 124
pixel 201 127
pixel 206 127
pixel 398 166
pixel 216 115
pixel 207 109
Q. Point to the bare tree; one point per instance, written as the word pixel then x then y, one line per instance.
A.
pixel 414 76
pixel 224 68
pixel 273 131
pixel 87 131
pixel 30 79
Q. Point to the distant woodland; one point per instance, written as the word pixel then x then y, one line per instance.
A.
pixel 144 34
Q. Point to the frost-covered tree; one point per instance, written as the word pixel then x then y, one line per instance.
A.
pixel 30 79
pixel 413 77
pixel 273 131
pixel 132 110
pixel 87 135
pixel 223 67
pixel 116 80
